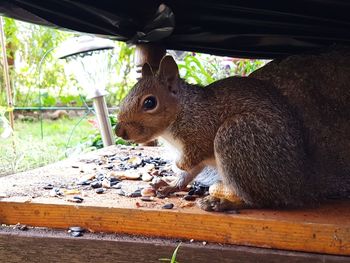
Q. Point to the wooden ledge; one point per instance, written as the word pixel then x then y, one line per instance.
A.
pixel 37 245
pixel 325 229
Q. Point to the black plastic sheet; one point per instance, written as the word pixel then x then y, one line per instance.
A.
pixel 250 28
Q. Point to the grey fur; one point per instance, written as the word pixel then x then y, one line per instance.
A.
pixel 260 133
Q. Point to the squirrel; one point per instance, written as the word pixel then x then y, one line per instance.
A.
pixel 253 132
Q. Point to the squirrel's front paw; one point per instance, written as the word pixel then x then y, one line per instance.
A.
pixel 167 187
pixel 167 190
pixel 215 204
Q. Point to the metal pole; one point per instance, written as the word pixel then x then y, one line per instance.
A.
pixel 104 123
pixel 6 75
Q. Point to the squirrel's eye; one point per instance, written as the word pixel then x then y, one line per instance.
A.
pixel 150 103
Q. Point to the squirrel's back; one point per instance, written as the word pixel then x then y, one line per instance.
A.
pixel 318 87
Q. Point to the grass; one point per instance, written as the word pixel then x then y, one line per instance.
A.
pixel 173 257
pixel 32 151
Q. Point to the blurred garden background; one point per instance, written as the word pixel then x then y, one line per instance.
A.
pixel 53 116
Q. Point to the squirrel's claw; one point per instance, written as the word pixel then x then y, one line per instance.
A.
pixel 165 188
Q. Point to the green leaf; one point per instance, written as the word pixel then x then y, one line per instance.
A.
pixel 173 258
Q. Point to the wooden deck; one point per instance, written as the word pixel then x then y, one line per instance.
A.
pixel 325 229
pixel 42 246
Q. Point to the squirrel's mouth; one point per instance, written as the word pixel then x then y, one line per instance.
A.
pixel 134 132
pixel 141 140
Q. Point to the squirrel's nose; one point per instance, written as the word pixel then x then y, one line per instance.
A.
pixel 121 132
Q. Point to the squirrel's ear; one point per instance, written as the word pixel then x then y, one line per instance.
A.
pixel 146 70
pixel 168 69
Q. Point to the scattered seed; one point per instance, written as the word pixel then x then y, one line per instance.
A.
pixel 75 166
pixel 20 227
pixel 96 184
pixel 146 177
pixel 187 204
pixel 71 191
pixel 198 189
pixel 136 160
pixel 48 187
pixel 113 179
pixel 110 167
pixel 76 229
pixel 73 200
pixel 136 193
pixel 53 193
pixel 117 186
pixel 100 177
pixel 99 190
pixel 106 183
pixel 168 206
pixel 120 192
pixel 84 182
pixel 23 228
pixel 78 198
pixel 161 196
pixel 112 183
pixel 148 191
pixel 75 234
pixel 147 198
pixel 189 197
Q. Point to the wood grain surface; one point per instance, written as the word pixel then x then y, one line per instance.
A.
pixel 287 230
pixel 44 246
pixel 323 229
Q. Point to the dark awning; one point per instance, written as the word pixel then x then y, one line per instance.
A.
pixel 249 28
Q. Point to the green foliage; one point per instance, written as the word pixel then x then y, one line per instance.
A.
pixel 71 100
pixel 203 69
pixel 244 67
pixel 195 72
pixel 27 150
pixel 5 127
pixel 95 141
pixel 173 257
pixel 123 66
pixel 28 44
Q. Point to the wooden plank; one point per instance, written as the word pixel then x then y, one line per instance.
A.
pixel 56 246
pixel 269 229
pixel 325 229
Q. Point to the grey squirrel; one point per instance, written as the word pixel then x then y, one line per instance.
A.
pixel 273 143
